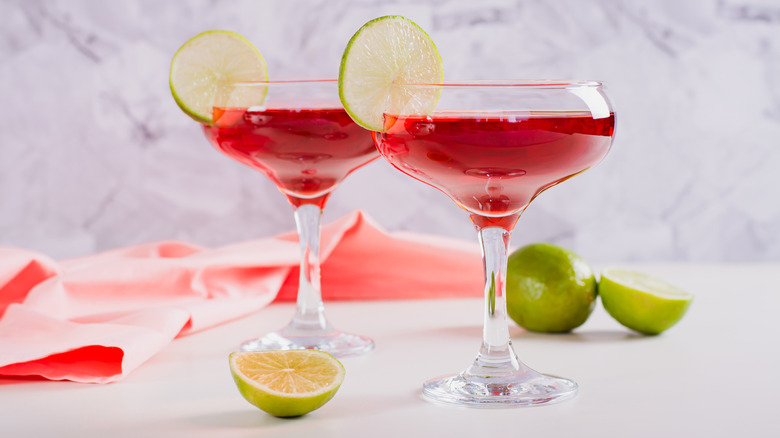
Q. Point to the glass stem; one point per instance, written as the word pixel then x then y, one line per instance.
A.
pixel 310 314
pixel 496 356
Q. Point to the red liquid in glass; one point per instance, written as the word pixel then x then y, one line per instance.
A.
pixel 495 165
pixel 306 152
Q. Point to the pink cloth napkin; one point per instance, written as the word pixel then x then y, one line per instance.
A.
pixel 96 318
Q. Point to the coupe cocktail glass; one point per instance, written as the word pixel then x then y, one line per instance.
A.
pixel 303 140
pixel 493 147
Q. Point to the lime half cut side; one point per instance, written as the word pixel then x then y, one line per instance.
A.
pixel 388 51
pixel 286 383
pixel 641 302
pixel 204 68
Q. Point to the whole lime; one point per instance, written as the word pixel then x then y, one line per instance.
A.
pixel 549 289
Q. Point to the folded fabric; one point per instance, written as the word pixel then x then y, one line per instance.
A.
pixel 96 318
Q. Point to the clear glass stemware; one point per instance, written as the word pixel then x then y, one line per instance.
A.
pixel 304 141
pixel 493 147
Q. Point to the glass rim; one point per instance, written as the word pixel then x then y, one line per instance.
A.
pixel 512 84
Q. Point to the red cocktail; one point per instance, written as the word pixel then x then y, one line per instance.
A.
pixel 305 152
pixel 303 140
pixel 494 165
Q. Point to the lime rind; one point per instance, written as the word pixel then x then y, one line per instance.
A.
pixel 387 51
pixel 204 67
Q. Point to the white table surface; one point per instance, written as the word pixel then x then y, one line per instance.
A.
pixel 714 374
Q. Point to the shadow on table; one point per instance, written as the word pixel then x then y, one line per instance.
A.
pixel 366 405
pixel 518 333
pixel 349 407
pixel 244 419
pixel 592 336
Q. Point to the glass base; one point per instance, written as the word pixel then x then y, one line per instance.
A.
pixel 530 389
pixel 337 343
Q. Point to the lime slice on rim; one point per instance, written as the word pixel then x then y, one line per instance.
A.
pixel 205 66
pixel 641 302
pixel 386 51
pixel 286 383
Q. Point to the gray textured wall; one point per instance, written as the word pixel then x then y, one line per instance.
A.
pixel 94 153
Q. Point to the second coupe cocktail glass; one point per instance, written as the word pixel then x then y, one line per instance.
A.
pixel 493 147
pixel 303 140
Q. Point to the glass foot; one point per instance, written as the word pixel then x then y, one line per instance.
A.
pixel 337 343
pixel 523 390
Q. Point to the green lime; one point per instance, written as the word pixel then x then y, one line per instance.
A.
pixel 286 383
pixel 549 289
pixel 386 51
pixel 204 67
pixel 641 302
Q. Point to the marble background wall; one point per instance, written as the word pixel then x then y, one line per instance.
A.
pixel 94 154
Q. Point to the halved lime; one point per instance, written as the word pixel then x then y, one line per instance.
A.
pixel 386 51
pixel 204 67
pixel 641 302
pixel 286 383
